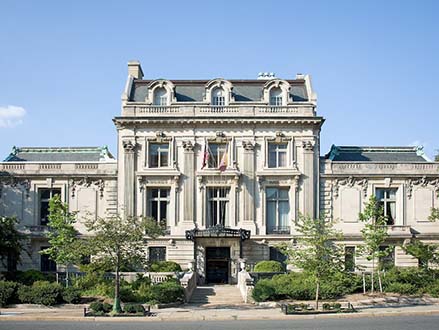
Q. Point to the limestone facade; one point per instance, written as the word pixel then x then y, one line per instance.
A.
pixel 244 155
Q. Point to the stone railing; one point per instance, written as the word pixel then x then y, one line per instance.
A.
pixel 189 284
pixel 73 168
pixel 160 277
pixel 363 168
pixel 34 230
pixel 245 285
pixel 142 110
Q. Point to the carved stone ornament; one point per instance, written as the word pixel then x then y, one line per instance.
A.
pixel 220 137
pixel 87 182
pixel 308 145
pixel 128 145
pixel 248 145
pixel 14 182
pixel 188 146
pixel 160 137
pixel 422 182
pixel 349 182
pixel 280 138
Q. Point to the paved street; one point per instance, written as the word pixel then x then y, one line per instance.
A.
pixel 387 323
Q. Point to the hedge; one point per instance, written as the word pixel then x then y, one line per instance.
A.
pixel 268 266
pixel 7 292
pixel 41 292
pixel 164 266
pixel 167 292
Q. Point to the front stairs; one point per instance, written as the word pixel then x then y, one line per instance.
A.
pixel 219 294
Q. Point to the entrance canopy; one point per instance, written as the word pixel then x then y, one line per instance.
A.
pixel 217 231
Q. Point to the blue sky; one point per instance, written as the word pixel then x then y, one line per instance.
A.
pixel 374 64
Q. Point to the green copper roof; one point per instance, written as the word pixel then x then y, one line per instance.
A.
pixel 59 154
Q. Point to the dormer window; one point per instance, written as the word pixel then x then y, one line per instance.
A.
pixel 160 96
pixel 276 96
pixel 218 97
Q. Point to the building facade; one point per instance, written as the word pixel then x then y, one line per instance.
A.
pixel 227 166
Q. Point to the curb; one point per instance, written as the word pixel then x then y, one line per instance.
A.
pixel 217 317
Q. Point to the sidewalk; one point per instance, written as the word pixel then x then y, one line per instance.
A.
pixel 209 313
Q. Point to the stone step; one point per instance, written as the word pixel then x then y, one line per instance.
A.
pixel 217 295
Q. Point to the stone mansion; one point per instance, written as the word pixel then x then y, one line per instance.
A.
pixel 227 166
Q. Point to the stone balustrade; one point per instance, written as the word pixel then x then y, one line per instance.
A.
pixel 189 284
pixel 66 168
pixel 142 110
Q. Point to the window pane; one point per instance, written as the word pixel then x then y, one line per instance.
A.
pixel 379 194
pixel 160 97
pixel 44 213
pixel 153 210
pixel 271 215
pixel 164 158
pixel 271 193
pixel 284 209
pixel 157 254
pixel 283 193
pixel 164 192
pixel 45 193
pixel 153 193
pixel 282 159
pixel 163 212
pixel 392 194
pixel 153 155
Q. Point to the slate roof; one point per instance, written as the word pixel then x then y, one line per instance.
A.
pixel 243 90
pixel 61 154
pixel 376 154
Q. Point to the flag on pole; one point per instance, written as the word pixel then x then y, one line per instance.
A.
pixel 224 160
pixel 205 156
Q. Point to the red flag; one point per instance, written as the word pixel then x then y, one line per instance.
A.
pixel 224 160
pixel 205 156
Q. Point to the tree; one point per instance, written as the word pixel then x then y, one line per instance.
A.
pixel 12 242
pixel 374 233
pixel 117 241
pixel 63 238
pixel 316 252
pixel 434 216
pixel 425 253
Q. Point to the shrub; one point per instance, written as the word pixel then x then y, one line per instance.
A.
pixel 107 308
pixel 41 292
pixel 140 280
pixel 167 292
pixel 329 306
pixel 433 289
pixel 7 292
pixel 165 266
pixel 97 306
pixel 71 295
pixel 402 288
pixel 133 308
pixel 30 276
pixel 145 292
pixel 264 290
pixel 268 266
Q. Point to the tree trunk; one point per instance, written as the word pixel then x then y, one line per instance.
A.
pixel 67 275
pixel 317 293
pixel 373 270
pixel 116 305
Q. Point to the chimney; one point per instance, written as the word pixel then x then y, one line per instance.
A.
pixel 135 69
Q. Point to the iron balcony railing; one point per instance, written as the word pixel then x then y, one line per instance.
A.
pixel 278 230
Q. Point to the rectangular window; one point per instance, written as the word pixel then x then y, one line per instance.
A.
pixel 216 154
pixel 387 200
pixel 219 101
pixel 158 205
pixel 158 155
pixel 387 261
pixel 349 258
pixel 276 100
pixel 46 264
pixel 217 206
pixel 45 195
pixel 157 253
pixel 277 155
pixel 277 211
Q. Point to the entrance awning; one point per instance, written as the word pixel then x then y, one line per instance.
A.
pixel 218 231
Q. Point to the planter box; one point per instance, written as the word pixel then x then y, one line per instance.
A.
pixel 303 309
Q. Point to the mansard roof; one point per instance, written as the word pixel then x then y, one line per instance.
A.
pixel 243 90
pixel 376 154
pixel 60 154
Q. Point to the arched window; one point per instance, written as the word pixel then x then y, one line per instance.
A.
pixel 218 97
pixel 160 96
pixel 276 96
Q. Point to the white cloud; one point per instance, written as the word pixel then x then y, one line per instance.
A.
pixel 11 115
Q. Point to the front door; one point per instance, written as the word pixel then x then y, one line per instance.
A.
pixel 217 264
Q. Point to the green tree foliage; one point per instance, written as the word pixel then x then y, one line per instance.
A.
pixel 434 216
pixel 316 252
pixel 117 241
pixel 425 253
pixel 12 242
pixel 63 238
pixel 374 233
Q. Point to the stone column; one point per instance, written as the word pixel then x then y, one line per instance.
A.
pixel 248 182
pixel 309 182
pixel 188 182
pixel 129 183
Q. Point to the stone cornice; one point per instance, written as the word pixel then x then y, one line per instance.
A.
pixel 122 122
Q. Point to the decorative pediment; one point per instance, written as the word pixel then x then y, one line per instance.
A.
pixel 279 138
pixel 283 85
pixel 87 182
pixel 219 83
pixel 349 182
pixel 226 178
pixel 287 179
pixel 160 137
pixel 158 178
pixel 422 182
pixel 155 85
pixel 219 137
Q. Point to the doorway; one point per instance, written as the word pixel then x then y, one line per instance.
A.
pixel 217 265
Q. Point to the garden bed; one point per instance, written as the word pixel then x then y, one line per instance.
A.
pixel 327 308
pixel 99 309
